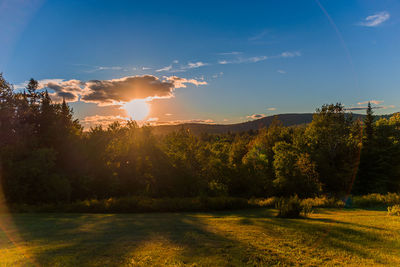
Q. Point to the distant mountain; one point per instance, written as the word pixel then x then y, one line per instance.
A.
pixel 198 128
pixel 290 119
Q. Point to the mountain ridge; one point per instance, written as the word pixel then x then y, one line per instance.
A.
pixel 287 119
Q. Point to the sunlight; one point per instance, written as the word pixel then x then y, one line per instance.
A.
pixel 137 109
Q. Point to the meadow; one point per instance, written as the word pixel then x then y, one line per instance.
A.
pixel 253 237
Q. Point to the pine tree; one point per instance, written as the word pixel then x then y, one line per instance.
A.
pixel 369 125
pixel 32 87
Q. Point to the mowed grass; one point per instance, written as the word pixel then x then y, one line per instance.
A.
pixel 249 237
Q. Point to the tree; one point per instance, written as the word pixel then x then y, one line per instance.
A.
pixel 295 172
pixel 367 172
pixel 334 142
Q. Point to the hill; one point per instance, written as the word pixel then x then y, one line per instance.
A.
pixel 290 119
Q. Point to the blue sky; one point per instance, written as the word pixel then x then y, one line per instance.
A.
pixel 212 61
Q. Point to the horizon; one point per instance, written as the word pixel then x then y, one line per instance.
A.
pixel 184 62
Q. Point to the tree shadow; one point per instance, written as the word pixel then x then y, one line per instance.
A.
pixel 100 239
pixel 186 238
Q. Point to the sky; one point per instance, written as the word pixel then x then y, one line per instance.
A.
pixel 166 62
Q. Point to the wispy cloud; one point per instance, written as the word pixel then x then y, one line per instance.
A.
pixel 375 102
pixel 259 35
pixel 233 53
pixel 256 116
pixel 365 108
pixel 181 82
pixel 99 120
pixel 243 60
pixel 182 68
pixel 195 65
pixel 375 20
pixel 271 109
pixel 175 122
pixel 281 71
pixel 167 68
pixel 217 75
pixel 290 54
pixel 240 59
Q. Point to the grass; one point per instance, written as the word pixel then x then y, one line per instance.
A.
pixel 228 238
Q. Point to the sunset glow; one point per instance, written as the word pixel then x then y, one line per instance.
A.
pixel 137 109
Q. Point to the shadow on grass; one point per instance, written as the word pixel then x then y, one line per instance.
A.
pixel 100 239
pixel 109 239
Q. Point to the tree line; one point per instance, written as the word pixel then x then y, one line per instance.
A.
pixel 46 157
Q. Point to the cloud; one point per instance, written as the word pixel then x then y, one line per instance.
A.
pixel 126 89
pixel 101 68
pixel 259 35
pixel 238 60
pixel 109 92
pixel 167 68
pixel 365 108
pixel 243 60
pixel 62 90
pixel 95 120
pixel 375 20
pixel 271 109
pixel 288 54
pixel 175 122
pixel 256 116
pixel 281 71
pixel 181 82
pixel 375 102
pixel 229 53
pixel 194 65
pixel 256 59
pixel 217 75
pixel 182 68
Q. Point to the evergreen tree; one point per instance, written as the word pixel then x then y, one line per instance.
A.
pixel 369 125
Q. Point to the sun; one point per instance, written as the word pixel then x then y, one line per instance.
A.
pixel 137 109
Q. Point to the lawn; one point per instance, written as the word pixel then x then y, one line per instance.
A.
pixel 247 237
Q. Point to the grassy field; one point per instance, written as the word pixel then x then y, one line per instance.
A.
pixel 249 237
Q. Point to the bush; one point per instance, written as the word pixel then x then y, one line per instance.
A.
pixel 289 207
pixel 323 202
pixel 140 204
pixel 394 210
pixel 376 200
pixel 264 202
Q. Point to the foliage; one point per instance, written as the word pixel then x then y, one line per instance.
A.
pixel 376 200
pixel 289 207
pixel 394 210
pixel 133 204
pixel 47 158
pixel 323 202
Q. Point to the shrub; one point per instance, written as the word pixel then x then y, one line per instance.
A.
pixel 394 210
pixel 289 207
pixel 264 202
pixel 133 204
pixel 307 208
pixel 376 200
pixel 323 202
